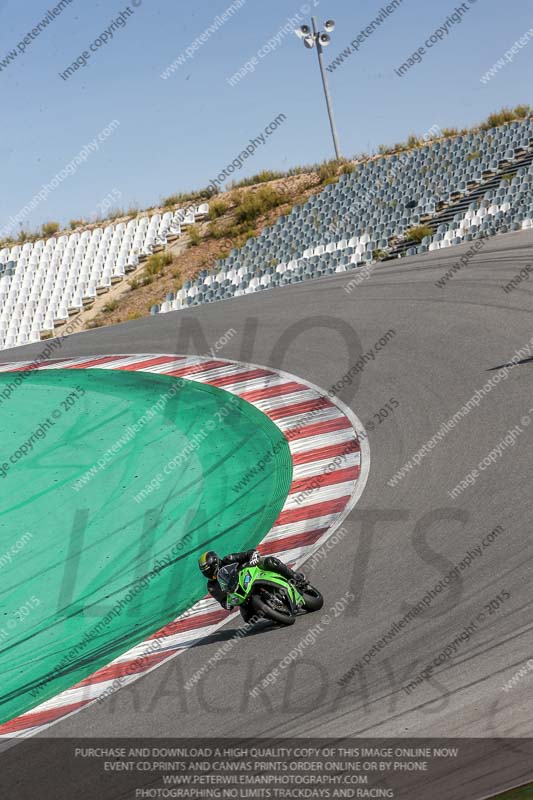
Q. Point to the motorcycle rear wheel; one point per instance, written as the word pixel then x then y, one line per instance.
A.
pixel 261 604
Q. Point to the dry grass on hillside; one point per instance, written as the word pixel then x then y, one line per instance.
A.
pixel 216 238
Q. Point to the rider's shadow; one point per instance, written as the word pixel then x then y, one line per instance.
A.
pixel 235 633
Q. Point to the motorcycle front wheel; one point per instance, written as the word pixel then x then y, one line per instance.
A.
pixel 313 599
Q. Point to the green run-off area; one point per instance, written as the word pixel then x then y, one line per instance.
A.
pixel 111 485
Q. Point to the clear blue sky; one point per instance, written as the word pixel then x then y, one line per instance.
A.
pixel 177 134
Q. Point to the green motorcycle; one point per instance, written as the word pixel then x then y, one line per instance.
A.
pixel 268 594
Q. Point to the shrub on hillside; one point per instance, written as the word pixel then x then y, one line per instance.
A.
pixel 115 213
pixel 217 209
pixel 182 198
pixel 171 200
pixel 348 168
pixel 505 115
pixel 417 233
pixel 522 111
pixel 327 171
pixel 265 176
pixel 218 231
pixel 255 204
pixel 413 141
pixel 194 236
pixel 157 262
pixel 49 228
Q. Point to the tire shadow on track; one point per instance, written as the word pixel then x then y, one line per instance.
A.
pixel 512 364
pixel 227 634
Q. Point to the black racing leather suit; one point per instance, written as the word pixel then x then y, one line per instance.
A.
pixel 268 562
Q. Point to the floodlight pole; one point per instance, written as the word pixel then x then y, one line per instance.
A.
pixel 326 89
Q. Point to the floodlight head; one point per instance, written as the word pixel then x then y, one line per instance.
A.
pixel 329 25
pixel 303 31
pixel 324 39
pixel 309 42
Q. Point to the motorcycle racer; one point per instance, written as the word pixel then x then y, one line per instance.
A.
pixel 210 563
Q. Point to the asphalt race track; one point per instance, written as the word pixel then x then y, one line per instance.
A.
pixel 399 541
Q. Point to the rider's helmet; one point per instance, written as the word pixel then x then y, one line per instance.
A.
pixel 209 564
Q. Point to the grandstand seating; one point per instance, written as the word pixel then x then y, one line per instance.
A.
pixel 42 282
pixel 463 188
pixel 372 209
